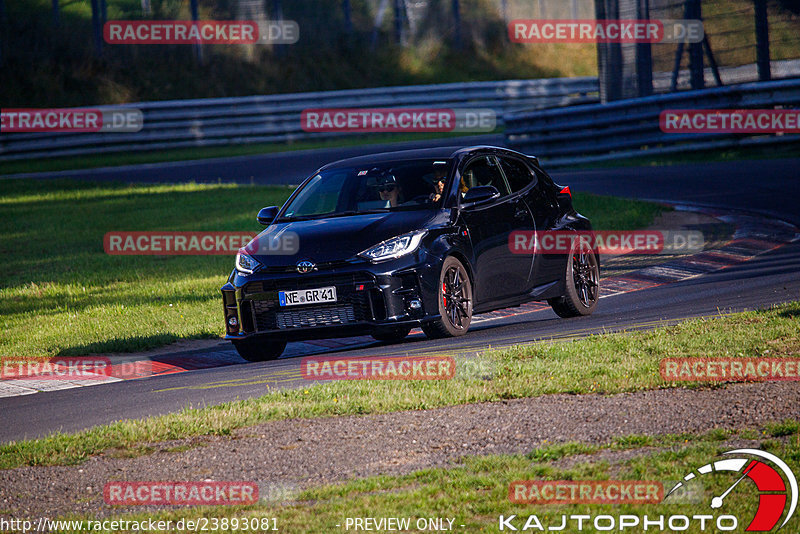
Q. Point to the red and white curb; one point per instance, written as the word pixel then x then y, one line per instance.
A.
pixel 753 236
pixel 17 387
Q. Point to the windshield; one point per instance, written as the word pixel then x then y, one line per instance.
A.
pixel 404 185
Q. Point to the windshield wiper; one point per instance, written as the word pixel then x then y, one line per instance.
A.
pixel 291 218
pixel 347 213
pixel 354 212
pixel 374 210
pixel 342 213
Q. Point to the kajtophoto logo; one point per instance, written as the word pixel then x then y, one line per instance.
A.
pixel 776 486
pixel 771 483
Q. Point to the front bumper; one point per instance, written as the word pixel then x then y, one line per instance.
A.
pixel 370 297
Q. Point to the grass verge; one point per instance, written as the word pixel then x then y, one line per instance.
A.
pixel 700 156
pixel 609 363
pixel 62 295
pixel 474 493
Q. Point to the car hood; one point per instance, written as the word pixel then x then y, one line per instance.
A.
pixel 333 239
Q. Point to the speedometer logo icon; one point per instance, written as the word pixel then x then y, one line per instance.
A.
pixel 776 489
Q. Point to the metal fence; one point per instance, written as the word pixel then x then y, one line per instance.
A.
pixel 628 128
pixel 731 37
pixel 736 33
pixel 276 118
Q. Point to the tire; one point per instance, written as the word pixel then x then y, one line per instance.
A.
pixel 259 349
pixel 581 283
pixel 454 296
pixel 392 335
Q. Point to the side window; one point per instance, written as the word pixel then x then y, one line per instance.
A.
pixel 483 171
pixel 517 173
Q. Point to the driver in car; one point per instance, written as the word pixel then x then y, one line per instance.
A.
pixel 389 190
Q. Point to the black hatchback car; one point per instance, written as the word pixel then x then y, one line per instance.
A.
pixel 384 243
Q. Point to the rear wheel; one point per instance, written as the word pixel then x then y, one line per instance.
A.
pixel 582 283
pixel 392 334
pixel 455 302
pixel 259 349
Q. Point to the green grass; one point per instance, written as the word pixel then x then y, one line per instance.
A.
pixel 475 491
pixel 701 156
pixel 610 363
pixel 60 294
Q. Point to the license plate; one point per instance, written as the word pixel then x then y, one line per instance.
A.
pixel 307 296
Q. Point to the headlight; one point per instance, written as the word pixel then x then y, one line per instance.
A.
pixel 245 263
pixel 394 247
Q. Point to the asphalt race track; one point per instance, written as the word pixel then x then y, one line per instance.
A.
pixel 769 187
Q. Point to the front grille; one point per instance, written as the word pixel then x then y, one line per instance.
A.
pixel 320 267
pixel 352 306
pixel 310 281
pixel 334 315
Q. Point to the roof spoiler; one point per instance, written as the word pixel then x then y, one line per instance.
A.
pixel 533 159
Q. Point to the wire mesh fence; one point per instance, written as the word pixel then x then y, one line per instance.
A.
pixel 731 42
pixel 737 35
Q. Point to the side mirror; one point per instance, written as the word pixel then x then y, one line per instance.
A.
pixel 267 215
pixel 480 193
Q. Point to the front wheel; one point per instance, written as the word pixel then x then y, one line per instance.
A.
pixel 455 302
pixel 581 282
pixel 256 349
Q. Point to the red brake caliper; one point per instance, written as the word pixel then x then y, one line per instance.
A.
pixel 444 297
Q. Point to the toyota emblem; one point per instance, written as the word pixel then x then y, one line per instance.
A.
pixel 305 267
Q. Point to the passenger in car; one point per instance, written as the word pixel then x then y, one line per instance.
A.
pixel 438 185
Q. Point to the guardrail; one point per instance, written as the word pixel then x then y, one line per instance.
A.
pixel 276 118
pixel 628 128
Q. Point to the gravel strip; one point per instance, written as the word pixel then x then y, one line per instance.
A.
pixel 303 452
